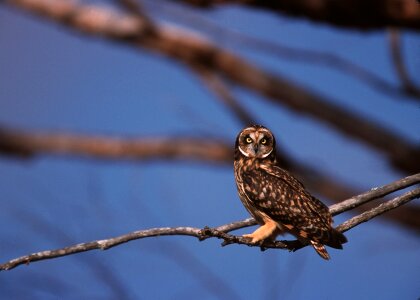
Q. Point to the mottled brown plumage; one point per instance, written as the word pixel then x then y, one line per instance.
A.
pixel 276 199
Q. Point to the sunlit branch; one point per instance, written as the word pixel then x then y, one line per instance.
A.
pixel 221 232
pixel 195 51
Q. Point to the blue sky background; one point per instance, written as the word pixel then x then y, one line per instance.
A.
pixel 52 79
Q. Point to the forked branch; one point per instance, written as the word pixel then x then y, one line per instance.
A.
pixel 222 232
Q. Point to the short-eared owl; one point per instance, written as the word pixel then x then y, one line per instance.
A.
pixel 276 199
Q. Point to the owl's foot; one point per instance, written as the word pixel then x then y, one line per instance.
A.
pixel 268 230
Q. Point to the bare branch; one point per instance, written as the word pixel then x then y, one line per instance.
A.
pixel 15 142
pixel 397 58
pixel 221 232
pixel 29 144
pixel 220 89
pixel 195 51
pixel 357 14
pixel 382 208
pixel 299 55
pixel 375 193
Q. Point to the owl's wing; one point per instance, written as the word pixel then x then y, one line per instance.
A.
pixel 313 204
pixel 279 195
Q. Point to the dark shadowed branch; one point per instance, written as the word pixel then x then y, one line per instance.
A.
pixel 222 92
pixel 397 58
pixel 236 39
pixel 195 51
pixel 357 14
pixel 222 232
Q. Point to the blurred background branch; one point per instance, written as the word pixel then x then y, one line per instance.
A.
pixel 395 44
pixel 197 52
pixel 282 51
pixel 346 13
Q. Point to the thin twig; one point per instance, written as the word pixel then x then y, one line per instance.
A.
pixel 382 208
pixel 221 90
pixel 397 58
pixel 220 232
pixel 375 193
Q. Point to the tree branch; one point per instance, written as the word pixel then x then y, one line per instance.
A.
pixel 14 142
pixel 397 58
pixel 354 14
pixel 219 88
pixel 221 232
pixel 30 144
pixel 382 208
pixel 195 51
pixel 375 193
pixel 282 51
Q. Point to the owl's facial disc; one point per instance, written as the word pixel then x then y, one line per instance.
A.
pixel 256 142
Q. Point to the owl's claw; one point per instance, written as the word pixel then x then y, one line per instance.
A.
pixel 254 239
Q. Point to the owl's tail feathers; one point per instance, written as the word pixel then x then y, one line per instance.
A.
pixel 320 249
pixel 336 239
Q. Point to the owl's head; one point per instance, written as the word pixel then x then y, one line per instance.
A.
pixel 255 141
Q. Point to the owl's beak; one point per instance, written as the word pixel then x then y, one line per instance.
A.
pixel 256 148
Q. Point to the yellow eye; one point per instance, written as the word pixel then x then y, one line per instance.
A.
pixel 263 141
pixel 248 140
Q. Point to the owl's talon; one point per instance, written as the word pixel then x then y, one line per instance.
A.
pixel 252 239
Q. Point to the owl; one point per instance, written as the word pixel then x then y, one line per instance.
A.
pixel 276 199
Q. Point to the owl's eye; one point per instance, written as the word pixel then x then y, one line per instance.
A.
pixel 248 140
pixel 263 141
